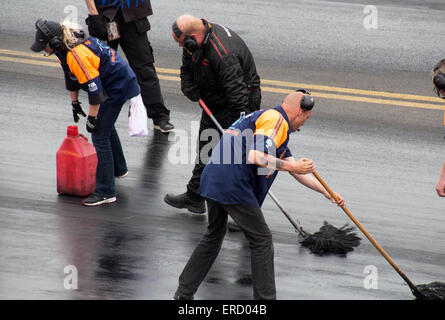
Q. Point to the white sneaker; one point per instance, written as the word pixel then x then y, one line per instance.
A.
pixel 122 176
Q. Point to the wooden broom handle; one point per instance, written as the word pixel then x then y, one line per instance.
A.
pixel 366 233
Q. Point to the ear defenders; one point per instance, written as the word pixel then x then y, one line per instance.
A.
pixel 190 42
pixel 307 102
pixel 55 42
pixel 439 80
pixel 439 84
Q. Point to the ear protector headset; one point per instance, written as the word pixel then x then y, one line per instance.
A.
pixel 55 42
pixel 307 102
pixel 439 80
pixel 190 42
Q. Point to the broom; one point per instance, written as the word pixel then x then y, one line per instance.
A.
pixel 432 291
pixel 328 240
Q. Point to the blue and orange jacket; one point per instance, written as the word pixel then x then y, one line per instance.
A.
pixel 98 69
pixel 228 178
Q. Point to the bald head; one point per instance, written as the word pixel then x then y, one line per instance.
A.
pixel 188 26
pixel 292 100
pixel 291 105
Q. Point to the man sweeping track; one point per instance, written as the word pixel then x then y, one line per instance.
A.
pixel 235 182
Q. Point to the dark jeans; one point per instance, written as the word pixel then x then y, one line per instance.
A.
pixel 255 229
pixel 110 157
pixel 205 123
pixel 139 53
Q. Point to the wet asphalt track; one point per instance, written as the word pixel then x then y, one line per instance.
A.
pixel 384 160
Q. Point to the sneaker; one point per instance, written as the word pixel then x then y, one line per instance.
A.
pixel 182 201
pixel 122 176
pixel 164 126
pixel 95 200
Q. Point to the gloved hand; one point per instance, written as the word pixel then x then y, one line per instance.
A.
pixel 77 109
pixel 91 124
pixel 97 26
pixel 191 93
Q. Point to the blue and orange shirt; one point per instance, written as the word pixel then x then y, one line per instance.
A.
pixel 228 178
pixel 98 69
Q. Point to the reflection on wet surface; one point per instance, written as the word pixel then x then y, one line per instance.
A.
pixel 137 247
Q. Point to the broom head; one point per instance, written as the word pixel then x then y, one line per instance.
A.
pixel 431 291
pixel 331 240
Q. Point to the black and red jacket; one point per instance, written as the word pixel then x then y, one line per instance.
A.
pixel 222 72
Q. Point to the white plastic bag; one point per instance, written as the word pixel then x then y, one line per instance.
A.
pixel 137 118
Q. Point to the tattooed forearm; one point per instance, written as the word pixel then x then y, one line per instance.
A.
pixel 262 160
pixel 270 162
pixel 279 164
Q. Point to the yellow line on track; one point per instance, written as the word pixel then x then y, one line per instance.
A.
pixel 342 97
pixel 26 54
pixel 297 85
pixel 31 61
pixel 353 91
pixel 362 99
pixel 349 96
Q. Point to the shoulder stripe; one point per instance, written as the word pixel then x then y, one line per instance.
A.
pixel 216 49
pixel 271 123
pixel 277 127
pixel 80 63
pixel 83 63
pixel 220 43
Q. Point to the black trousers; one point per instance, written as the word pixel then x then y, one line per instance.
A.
pixel 209 143
pixel 205 124
pixel 139 53
pixel 255 229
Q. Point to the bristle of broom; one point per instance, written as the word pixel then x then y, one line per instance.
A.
pixel 431 291
pixel 331 240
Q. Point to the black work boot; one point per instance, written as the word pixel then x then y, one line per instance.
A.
pixel 186 201
pixel 233 226
pixel 179 296
pixel 163 125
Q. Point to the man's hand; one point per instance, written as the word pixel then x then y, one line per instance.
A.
pixel 77 109
pixel 303 166
pixel 440 187
pixel 340 201
pixel 91 124
pixel 192 93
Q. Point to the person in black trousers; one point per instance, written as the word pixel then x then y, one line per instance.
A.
pixel 218 67
pixel 235 182
pixel 132 25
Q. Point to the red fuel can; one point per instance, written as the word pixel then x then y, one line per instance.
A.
pixel 76 165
